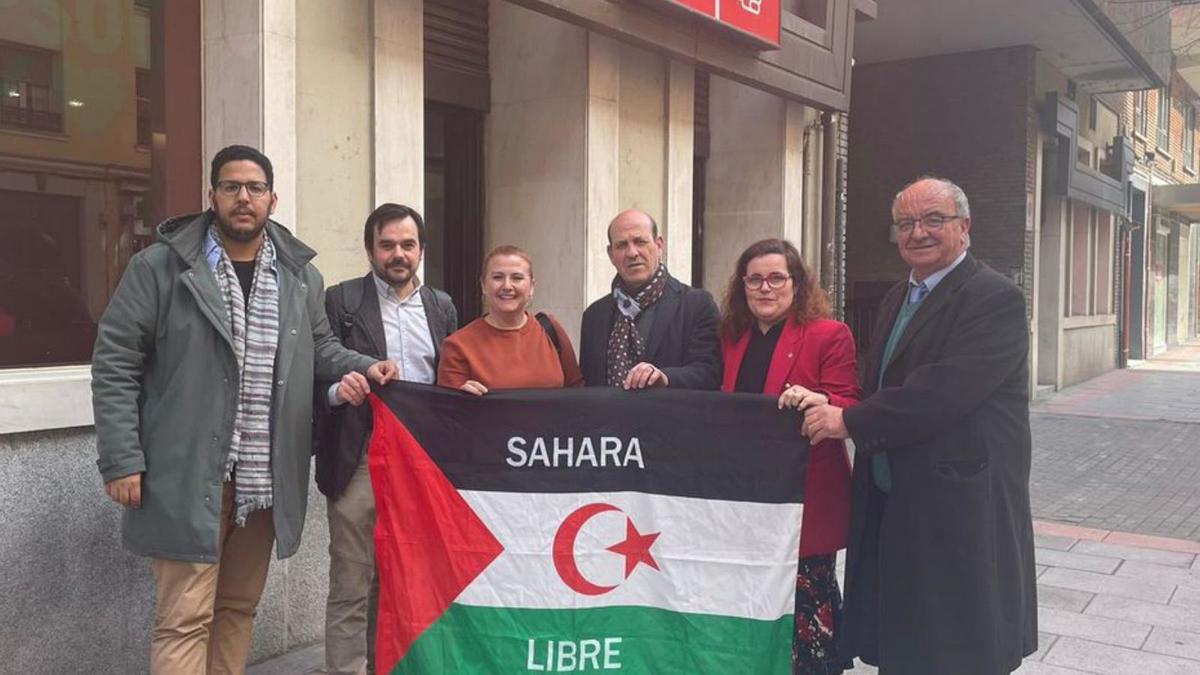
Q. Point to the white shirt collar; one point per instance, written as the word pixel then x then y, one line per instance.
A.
pixel 386 292
pixel 934 279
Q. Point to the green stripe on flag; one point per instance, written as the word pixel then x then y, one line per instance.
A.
pixel 473 639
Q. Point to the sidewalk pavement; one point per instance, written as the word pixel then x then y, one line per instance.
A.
pixel 1122 451
pixel 1116 488
pixel 1115 603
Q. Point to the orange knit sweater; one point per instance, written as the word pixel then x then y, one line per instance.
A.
pixel 508 359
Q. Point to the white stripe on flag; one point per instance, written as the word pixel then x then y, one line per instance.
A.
pixel 715 557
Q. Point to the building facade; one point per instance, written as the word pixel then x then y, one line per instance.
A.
pixel 1019 103
pixel 1163 256
pixel 531 122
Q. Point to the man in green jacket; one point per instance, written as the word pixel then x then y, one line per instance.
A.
pixel 202 382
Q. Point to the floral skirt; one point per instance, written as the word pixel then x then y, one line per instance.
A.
pixel 818 610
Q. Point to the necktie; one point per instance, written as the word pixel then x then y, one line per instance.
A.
pixel 881 471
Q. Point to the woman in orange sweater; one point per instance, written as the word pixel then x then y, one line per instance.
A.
pixel 507 348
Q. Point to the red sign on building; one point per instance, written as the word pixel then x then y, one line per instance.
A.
pixel 758 19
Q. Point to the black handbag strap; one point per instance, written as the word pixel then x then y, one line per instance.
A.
pixel 551 332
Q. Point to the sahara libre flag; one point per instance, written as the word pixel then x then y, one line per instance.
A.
pixel 585 530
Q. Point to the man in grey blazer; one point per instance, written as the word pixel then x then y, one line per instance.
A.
pixel 388 312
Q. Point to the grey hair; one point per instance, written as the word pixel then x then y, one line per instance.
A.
pixel 956 193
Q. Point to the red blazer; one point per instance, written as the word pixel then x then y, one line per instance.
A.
pixel 818 355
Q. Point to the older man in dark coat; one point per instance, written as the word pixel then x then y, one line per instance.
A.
pixel 939 572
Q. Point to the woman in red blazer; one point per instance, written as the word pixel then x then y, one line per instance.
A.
pixel 777 339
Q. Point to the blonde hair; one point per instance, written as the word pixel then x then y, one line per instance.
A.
pixel 508 249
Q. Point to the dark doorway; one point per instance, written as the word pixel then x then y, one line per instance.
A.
pixel 454 192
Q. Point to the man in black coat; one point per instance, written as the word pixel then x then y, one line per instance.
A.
pixel 390 312
pixel 939 569
pixel 652 330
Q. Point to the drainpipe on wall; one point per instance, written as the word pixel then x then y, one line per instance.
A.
pixel 829 199
pixel 839 223
pixel 810 243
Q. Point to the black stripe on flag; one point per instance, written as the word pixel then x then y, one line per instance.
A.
pixel 707 445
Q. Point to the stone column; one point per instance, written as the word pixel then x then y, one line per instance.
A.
pixel 538 163
pixel 681 141
pixel 757 184
pixel 250 86
pixel 398 103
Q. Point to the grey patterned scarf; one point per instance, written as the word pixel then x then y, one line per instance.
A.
pixel 625 348
pixel 255 330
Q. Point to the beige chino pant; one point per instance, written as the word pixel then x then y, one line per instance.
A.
pixel 205 611
pixel 353 583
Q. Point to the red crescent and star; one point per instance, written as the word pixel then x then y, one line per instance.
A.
pixel 635 548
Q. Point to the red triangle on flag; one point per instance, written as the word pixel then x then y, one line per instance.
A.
pixel 429 544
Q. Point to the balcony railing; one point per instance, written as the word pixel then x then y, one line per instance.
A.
pixel 26 105
pixel 40 120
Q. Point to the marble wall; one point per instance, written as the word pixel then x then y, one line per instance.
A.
pixel 756 176
pixel 334 134
pixel 581 127
pixel 75 602
pixel 340 116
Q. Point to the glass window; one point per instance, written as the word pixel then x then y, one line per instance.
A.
pixel 1164 120
pixel 144 119
pixel 1140 100
pixel 1104 263
pixel 1189 136
pixel 1091 251
pixel 30 100
pixel 72 213
pixel 1079 281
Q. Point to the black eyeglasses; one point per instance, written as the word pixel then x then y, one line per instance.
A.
pixel 774 281
pixel 255 188
pixel 932 222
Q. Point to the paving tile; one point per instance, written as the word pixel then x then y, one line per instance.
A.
pixel 1038 569
pixel 1186 597
pixel 1096 628
pixel 1045 641
pixel 1029 667
pixel 1134 569
pixel 1093 657
pixel 1152 555
pixel 1067 599
pixel 1067 530
pixel 1175 643
pixel 1148 541
pixel 1054 541
pixel 1140 611
pixel 1076 561
pixel 1140 589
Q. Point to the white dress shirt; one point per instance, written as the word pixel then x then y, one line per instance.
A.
pixel 932 280
pixel 406 330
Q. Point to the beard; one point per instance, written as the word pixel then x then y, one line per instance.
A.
pixel 235 232
pixel 396 274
